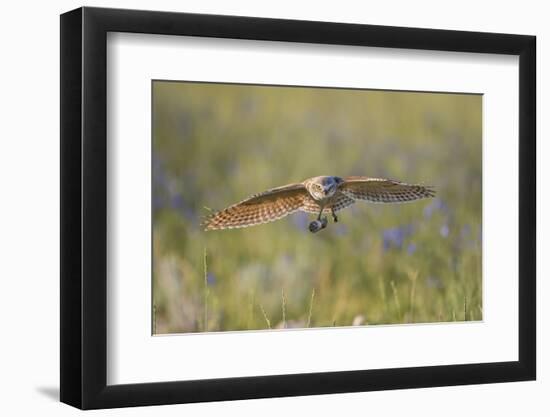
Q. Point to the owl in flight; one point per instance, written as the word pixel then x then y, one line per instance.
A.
pixel 319 195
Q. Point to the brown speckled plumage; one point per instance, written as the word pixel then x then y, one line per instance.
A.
pixel 325 194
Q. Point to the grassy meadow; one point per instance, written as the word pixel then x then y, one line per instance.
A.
pixel 215 144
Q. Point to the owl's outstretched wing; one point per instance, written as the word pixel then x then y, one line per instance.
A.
pixel 380 190
pixel 265 207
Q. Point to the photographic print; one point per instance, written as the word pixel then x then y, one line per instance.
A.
pixel 293 207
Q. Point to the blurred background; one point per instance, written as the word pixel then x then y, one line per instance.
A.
pixel 216 144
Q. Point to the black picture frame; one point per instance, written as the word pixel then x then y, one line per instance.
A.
pixel 84 207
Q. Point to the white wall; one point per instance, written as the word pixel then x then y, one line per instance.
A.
pixel 29 176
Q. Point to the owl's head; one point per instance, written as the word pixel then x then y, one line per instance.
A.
pixel 324 187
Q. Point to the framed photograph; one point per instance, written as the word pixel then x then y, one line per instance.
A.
pixel 257 208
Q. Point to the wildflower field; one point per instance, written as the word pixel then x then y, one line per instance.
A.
pixel 216 144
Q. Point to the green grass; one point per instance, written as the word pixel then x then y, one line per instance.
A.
pixel 213 145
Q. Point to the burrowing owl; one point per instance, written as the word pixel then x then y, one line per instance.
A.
pixel 324 194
